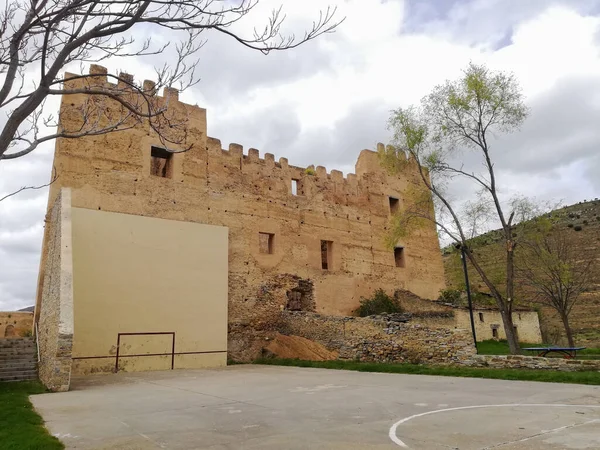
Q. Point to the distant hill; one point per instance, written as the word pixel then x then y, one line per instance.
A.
pixel 581 219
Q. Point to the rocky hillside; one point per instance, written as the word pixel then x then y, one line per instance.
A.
pixel 582 221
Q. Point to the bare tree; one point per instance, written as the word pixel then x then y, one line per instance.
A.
pixel 554 270
pixel 458 119
pixel 39 38
pixel 53 178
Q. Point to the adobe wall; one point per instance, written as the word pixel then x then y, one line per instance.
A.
pixel 250 194
pixel 15 324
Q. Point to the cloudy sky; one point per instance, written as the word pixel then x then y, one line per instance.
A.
pixel 325 101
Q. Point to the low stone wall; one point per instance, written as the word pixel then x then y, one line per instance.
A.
pixel 381 338
pixel 55 326
pixel 532 362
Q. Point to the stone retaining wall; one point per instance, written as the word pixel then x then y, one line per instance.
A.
pixel 381 338
pixel 532 362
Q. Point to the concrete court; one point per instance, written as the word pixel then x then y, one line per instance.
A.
pixel 268 407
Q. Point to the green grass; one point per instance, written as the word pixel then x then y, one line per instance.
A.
pixel 493 347
pixel 21 428
pixel 587 377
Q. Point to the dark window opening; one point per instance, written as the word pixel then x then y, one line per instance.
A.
pixel 399 257
pixel 495 333
pixel 326 255
pixel 481 317
pixel 9 331
pixel 265 242
pixel 516 332
pixel 297 187
pixel 394 205
pixel 161 162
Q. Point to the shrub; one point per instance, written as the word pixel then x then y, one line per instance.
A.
pixel 26 333
pixel 578 228
pixel 378 304
pixel 570 225
pixel 450 296
pixel 309 171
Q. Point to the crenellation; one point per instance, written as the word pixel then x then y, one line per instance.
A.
pixel 337 176
pixel 236 150
pixel 101 72
pixel 149 87
pixel 283 163
pixel 321 172
pixel 171 94
pixel 253 155
pixel 125 81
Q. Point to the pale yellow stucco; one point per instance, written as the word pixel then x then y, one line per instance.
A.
pixel 135 274
pixel 527 324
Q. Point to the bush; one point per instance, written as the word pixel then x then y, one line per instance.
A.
pixel 378 304
pixel 578 228
pixel 450 296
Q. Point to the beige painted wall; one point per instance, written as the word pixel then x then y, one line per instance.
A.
pixel 136 274
pixel 527 323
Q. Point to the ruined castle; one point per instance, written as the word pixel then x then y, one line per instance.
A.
pixel 150 256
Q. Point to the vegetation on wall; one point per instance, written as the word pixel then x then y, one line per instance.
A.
pixel 378 304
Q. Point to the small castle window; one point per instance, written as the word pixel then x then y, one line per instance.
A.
pixel 394 205
pixel 481 317
pixel 326 247
pixel 399 257
pixel 265 242
pixel 495 333
pixel 297 187
pixel 161 162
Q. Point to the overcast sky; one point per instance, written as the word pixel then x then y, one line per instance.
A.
pixel 324 102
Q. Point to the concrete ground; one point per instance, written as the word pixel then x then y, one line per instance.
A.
pixel 268 407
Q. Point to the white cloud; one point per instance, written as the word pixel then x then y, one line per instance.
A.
pixel 325 101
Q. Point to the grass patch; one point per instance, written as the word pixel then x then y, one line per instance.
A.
pixel 587 377
pixel 492 347
pixel 22 428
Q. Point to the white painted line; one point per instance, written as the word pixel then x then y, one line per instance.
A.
pixel 399 442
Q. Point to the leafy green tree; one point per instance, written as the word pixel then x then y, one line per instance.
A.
pixel 458 118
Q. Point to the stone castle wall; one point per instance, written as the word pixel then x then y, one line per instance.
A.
pixel 55 326
pixel 252 195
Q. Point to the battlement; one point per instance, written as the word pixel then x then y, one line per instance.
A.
pixel 203 147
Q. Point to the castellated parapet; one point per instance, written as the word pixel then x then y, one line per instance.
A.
pixel 286 223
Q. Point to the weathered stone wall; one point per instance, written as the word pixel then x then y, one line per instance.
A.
pixel 381 338
pixel 252 195
pixel 532 362
pixel 15 324
pixel 55 326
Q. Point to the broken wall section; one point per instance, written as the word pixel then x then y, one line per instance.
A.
pixel 55 326
pixel 386 338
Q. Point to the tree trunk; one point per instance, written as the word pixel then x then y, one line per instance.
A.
pixel 568 331
pixel 509 330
